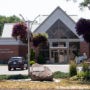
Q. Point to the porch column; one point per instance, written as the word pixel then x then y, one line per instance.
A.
pixel 67 45
pixel 50 45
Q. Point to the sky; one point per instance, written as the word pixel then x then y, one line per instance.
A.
pixel 32 8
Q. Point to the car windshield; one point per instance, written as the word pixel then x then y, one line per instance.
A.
pixel 15 59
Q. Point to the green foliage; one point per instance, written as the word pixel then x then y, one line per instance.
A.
pixel 32 57
pixel 3 77
pixel 85 3
pixel 32 62
pixel 86 71
pixel 81 75
pixel 41 59
pixel 87 75
pixel 85 66
pixel 74 77
pixel 19 76
pixel 39 39
pixel 72 69
pixel 8 77
pixel 59 74
pixel 84 75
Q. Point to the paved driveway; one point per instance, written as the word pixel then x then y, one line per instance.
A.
pixel 4 69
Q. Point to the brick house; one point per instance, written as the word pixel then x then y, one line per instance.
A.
pixel 63 41
pixel 9 46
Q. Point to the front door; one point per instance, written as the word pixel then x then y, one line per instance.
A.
pixel 62 56
pixel 59 56
pixel 56 56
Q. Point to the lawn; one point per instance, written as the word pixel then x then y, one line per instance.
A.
pixel 46 85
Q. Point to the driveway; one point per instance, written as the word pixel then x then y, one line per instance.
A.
pixel 4 69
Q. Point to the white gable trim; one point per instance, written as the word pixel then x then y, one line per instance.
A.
pixel 58 13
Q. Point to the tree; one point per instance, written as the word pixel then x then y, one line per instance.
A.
pixel 39 40
pixel 20 31
pixel 84 3
pixel 83 29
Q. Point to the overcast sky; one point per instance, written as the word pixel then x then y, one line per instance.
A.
pixel 32 8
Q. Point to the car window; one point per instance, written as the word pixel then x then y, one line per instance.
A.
pixel 16 59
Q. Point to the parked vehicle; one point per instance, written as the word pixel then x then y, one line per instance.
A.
pixel 17 62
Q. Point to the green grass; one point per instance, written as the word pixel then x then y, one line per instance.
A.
pixel 59 74
pixel 16 77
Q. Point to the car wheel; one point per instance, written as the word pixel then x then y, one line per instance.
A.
pixel 26 67
pixel 22 68
pixel 14 68
pixel 9 68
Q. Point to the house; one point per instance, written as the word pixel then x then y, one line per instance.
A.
pixel 63 41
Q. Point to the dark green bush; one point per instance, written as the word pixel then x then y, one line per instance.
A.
pixel 87 75
pixel 85 66
pixel 19 76
pixel 59 74
pixel 8 77
pixel 41 59
pixel 81 75
pixel 72 69
pixel 86 71
pixel 32 56
pixel 74 77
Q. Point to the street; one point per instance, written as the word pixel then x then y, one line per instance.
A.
pixel 53 68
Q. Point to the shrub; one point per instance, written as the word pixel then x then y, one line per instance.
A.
pixel 81 75
pixel 72 69
pixel 59 74
pixel 19 76
pixel 86 71
pixel 32 62
pixel 85 66
pixel 41 59
pixel 32 54
pixel 3 77
pixel 87 75
pixel 8 77
pixel 74 77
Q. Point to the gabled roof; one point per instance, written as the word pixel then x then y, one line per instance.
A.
pixel 57 14
pixel 7 30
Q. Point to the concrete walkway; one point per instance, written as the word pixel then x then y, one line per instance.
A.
pixel 58 67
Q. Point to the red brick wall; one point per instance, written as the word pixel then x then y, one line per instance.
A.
pixel 7 51
pixel 23 50
pixel 84 48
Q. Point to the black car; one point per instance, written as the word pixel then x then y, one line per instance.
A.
pixel 17 62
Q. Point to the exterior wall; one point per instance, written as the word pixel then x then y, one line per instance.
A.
pixel 84 48
pixel 7 51
pixel 22 50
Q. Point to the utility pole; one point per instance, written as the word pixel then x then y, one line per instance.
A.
pixel 28 37
pixel 29 27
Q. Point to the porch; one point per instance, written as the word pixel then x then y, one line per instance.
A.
pixel 61 51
